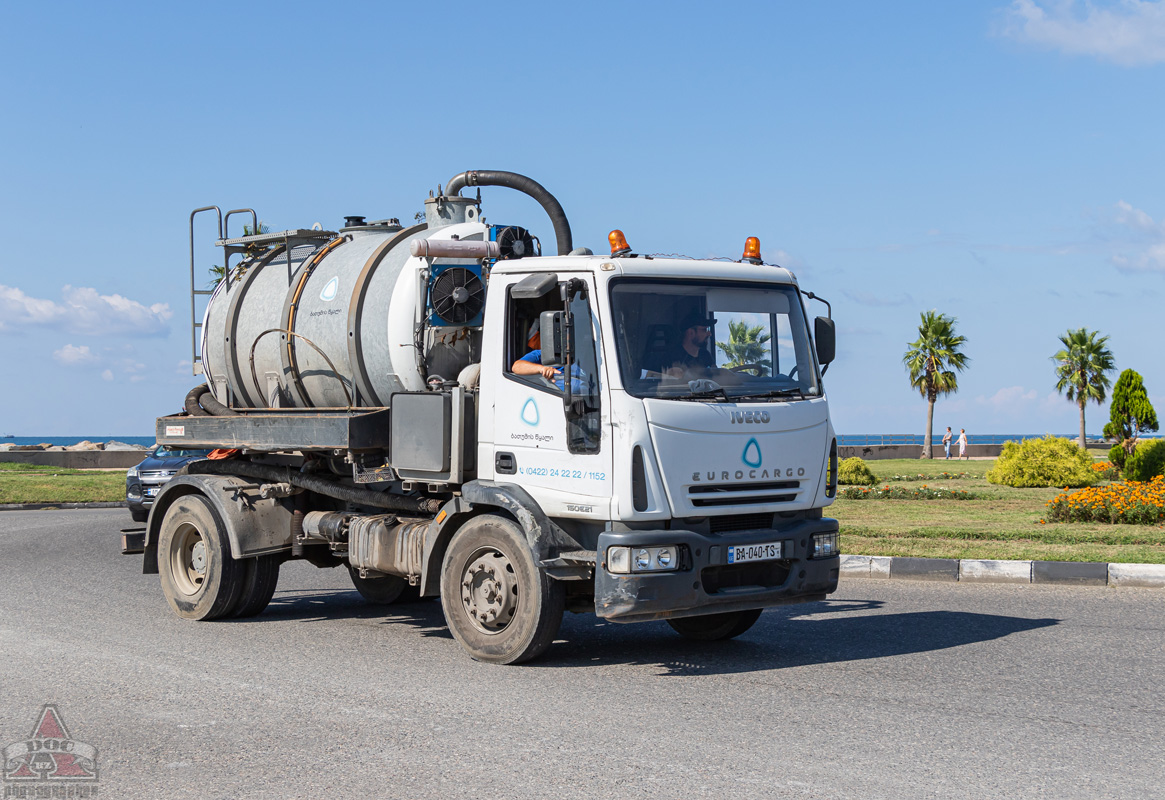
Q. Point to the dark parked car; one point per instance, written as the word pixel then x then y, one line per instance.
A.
pixel 143 482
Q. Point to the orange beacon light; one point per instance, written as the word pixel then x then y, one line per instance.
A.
pixel 619 246
pixel 751 250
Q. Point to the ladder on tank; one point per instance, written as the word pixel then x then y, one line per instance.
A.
pixel 240 245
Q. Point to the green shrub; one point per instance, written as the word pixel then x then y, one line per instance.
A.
pixel 1147 461
pixel 854 472
pixel 1051 461
pixel 1117 455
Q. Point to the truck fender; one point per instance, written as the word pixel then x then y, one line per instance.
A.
pixel 484 497
pixel 254 526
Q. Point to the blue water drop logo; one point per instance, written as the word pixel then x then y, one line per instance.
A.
pixel 530 413
pixel 754 460
pixel 330 289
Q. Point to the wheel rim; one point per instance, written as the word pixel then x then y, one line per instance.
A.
pixel 489 590
pixel 188 556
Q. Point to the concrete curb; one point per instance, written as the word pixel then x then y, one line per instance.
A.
pixel 54 506
pixel 1064 573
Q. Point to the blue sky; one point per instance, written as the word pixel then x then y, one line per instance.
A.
pixel 1000 162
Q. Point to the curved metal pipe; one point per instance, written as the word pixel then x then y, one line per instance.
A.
pixel 323 355
pixel 273 474
pixel 527 186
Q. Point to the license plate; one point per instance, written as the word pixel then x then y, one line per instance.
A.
pixel 150 491
pixel 768 551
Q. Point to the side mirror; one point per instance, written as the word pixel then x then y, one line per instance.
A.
pixel 825 337
pixel 554 332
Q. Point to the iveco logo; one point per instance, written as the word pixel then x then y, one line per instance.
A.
pixel 745 417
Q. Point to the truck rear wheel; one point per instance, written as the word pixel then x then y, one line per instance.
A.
pixel 200 578
pixel 260 576
pixel 499 605
pixel 714 627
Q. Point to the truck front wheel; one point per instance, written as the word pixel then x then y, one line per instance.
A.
pixel 499 605
pixel 199 577
pixel 714 627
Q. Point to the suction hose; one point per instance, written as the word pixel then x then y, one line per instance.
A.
pixel 201 403
pixel 527 186
pixel 273 474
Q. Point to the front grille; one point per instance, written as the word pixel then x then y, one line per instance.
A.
pixel 739 522
pixel 156 476
pixel 762 574
pixel 740 494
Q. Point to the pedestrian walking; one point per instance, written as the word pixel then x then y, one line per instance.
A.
pixel 963 443
pixel 947 442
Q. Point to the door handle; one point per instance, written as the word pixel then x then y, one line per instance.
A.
pixel 505 464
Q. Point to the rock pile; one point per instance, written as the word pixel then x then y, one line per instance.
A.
pixel 56 448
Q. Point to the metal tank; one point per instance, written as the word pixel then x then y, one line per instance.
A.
pixel 344 322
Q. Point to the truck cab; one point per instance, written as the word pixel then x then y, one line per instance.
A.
pixel 698 480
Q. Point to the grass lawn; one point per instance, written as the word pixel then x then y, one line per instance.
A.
pixel 1003 523
pixel 28 483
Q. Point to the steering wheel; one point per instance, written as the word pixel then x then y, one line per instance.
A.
pixel 758 369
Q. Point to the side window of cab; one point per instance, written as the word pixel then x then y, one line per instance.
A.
pixel 523 346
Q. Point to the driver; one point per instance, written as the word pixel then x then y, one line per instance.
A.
pixel 531 364
pixel 692 352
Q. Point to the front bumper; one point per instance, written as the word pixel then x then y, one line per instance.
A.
pixel 707 583
pixel 138 495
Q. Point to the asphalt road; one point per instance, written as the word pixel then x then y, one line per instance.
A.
pixel 887 690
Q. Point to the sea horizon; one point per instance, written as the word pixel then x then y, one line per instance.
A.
pixel 843 439
pixel 66 441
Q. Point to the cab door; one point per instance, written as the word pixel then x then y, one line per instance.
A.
pixel 561 457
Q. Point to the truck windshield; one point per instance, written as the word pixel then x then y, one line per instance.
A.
pixel 713 340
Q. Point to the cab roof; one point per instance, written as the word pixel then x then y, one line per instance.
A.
pixel 649 267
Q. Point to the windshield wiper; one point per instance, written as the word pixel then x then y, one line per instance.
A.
pixel 796 390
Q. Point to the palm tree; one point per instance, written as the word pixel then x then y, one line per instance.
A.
pixel 746 345
pixel 1082 368
pixel 932 362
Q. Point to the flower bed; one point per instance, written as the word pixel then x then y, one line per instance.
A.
pixel 1106 470
pixel 887 492
pixel 942 476
pixel 1129 503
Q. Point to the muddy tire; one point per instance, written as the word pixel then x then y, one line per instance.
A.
pixel 498 604
pixel 200 578
pixel 260 577
pixel 715 627
pixel 380 591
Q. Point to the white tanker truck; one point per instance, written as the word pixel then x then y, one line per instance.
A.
pixel 444 411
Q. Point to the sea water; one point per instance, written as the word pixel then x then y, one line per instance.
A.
pixel 65 441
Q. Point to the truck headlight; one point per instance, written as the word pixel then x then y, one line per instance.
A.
pixel 619 560
pixel 625 560
pixel 824 545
